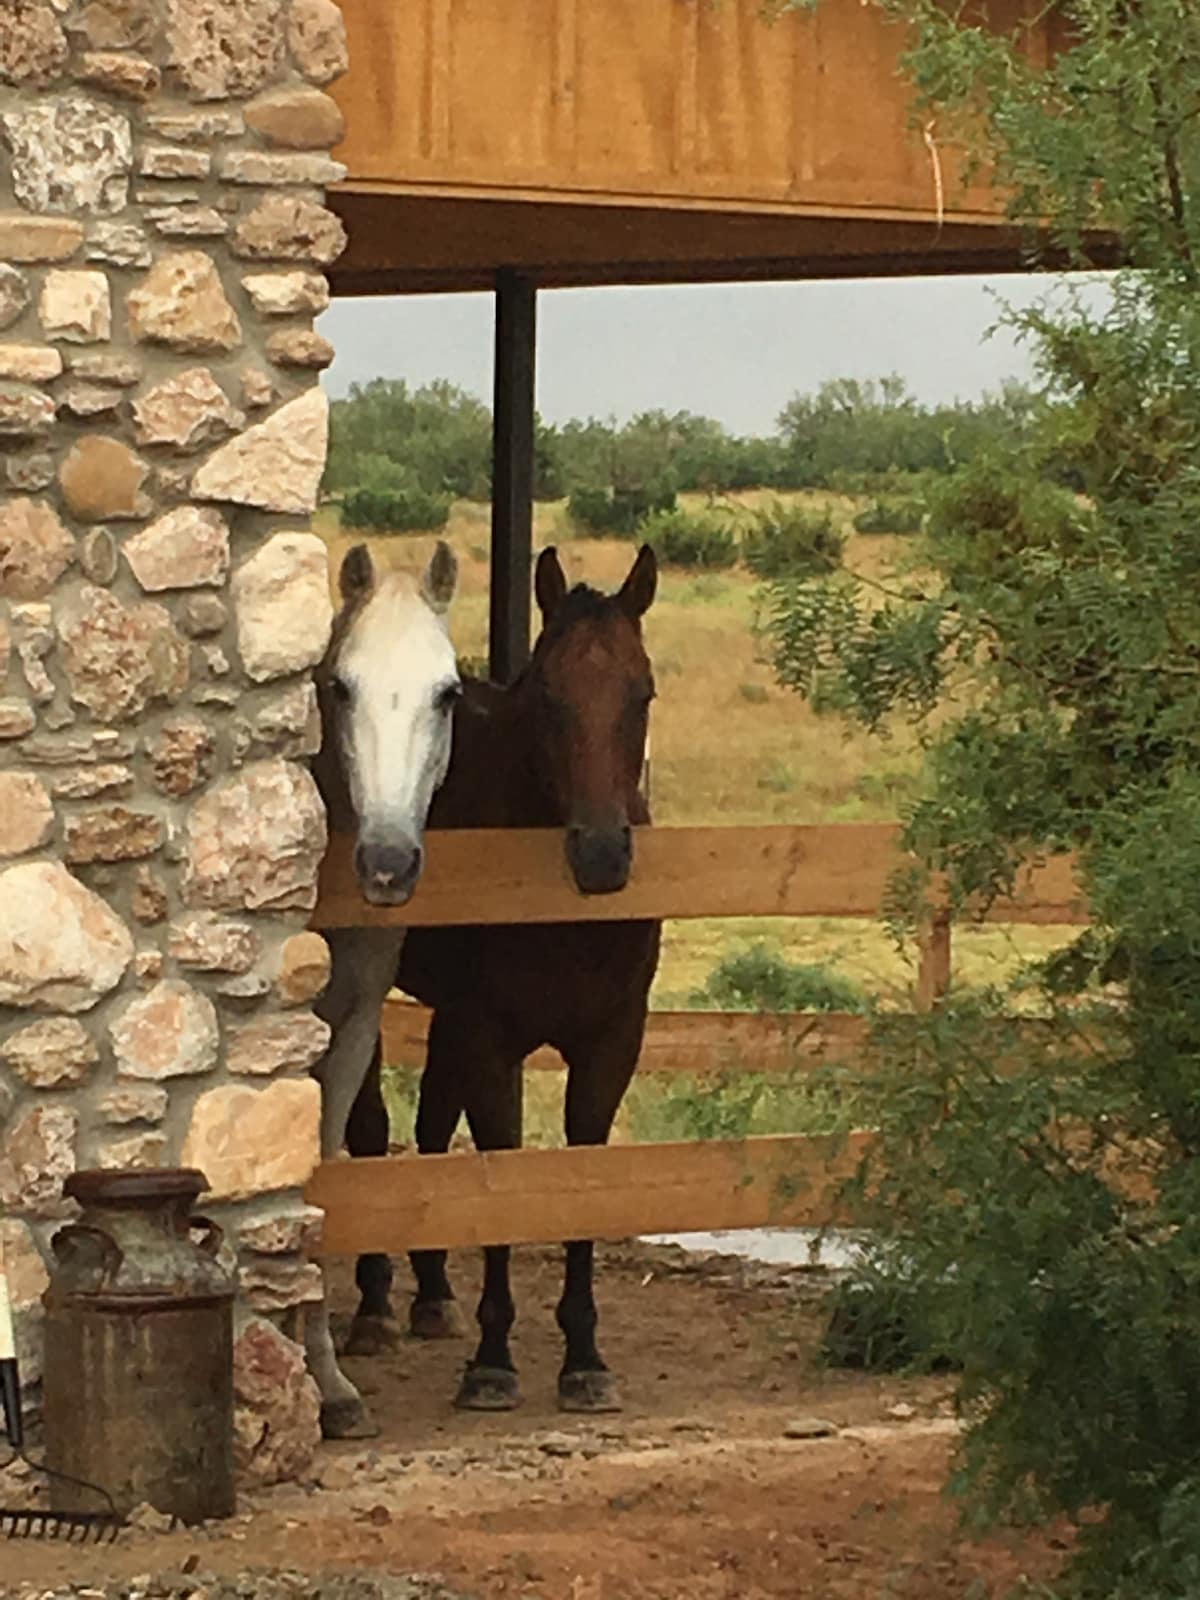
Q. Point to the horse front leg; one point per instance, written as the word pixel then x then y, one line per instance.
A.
pixel 493 1105
pixel 368 1133
pixel 363 969
pixel 434 1312
pixel 598 1074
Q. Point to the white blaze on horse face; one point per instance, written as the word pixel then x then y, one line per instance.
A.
pixel 399 680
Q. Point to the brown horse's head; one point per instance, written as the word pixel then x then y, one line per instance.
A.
pixel 591 680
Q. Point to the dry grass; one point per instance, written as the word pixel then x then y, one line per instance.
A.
pixel 728 744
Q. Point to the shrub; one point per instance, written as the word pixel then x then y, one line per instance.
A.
pixel 682 538
pixel 602 512
pixel 890 515
pixel 759 979
pixel 395 509
pixel 790 542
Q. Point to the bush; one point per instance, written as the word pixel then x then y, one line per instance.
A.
pixel 876 1322
pixel 759 979
pixel 604 512
pixel 684 538
pixel 890 516
pixel 789 542
pixel 397 509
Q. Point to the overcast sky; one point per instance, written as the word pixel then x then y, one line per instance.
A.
pixel 734 352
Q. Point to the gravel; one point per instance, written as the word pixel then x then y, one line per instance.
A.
pixel 248 1585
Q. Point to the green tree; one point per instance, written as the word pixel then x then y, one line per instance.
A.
pixel 1045 1188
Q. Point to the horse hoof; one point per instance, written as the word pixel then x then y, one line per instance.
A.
pixel 588 1391
pixel 436 1319
pixel 488 1389
pixel 347 1419
pixel 371 1336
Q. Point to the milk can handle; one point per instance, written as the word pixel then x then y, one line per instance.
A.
pixel 214 1234
pixel 110 1250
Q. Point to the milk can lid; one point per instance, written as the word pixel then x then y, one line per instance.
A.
pixel 140 1186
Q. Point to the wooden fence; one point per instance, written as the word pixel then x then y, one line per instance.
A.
pixel 530 1196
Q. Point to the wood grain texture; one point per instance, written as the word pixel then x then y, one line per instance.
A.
pixel 399 1203
pixel 519 875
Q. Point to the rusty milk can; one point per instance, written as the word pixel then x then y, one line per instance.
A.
pixel 138 1376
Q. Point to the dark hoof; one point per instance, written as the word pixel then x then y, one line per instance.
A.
pixel 436 1319
pixel 371 1336
pixel 488 1389
pixel 347 1419
pixel 588 1391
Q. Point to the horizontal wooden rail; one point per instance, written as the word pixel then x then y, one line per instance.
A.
pixel 519 875
pixel 399 1203
pixel 704 1042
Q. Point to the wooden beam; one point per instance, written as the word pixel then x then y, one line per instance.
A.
pixel 512 475
pixel 491 876
pixel 703 1042
pixel 399 1203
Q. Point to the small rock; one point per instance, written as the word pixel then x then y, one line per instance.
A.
pixel 25 414
pixel 299 347
pixel 281 600
pixel 150 902
pixel 902 1411
pixel 558 1444
pixel 189 222
pixel 194 126
pixel 29 473
pixel 293 1042
pixel 29 239
pixel 287 294
pixel 87 400
pixel 98 556
pixel 182 303
pixel 257 389
pixel 224 48
pixel 26 814
pixel 289 228
pixel 182 756
pixel 101 367
pixel 140 1102
pixel 75 305
pixel 183 549
pixel 298 119
pixel 111 833
pixel 188 410
pixel 203 615
pixel 53 1054
pixel 14 294
pixel 119 24
pixel 102 479
pixel 131 77
pixel 810 1428
pixel 33 46
pixel 70 153
pixel 35 549
pixel 259 167
pixel 304 968
pixel 169 1033
pixel 213 944
pixel 174 161
pixel 61 947
pixel 30 363
pixel 117 244
pixel 317 39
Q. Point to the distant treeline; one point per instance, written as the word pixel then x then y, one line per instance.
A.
pixel 413 451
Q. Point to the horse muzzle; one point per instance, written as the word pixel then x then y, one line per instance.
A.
pixel 388 873
pixel 600 859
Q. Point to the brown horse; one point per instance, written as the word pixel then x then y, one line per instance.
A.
pixel 562 747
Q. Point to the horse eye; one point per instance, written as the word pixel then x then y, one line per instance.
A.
pixel 446 696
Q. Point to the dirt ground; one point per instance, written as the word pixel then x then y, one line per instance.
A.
pixel 695 1490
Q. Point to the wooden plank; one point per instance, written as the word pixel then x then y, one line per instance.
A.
pixel 702 1042
pixel 483 74
pixel 512 475
pixel 399 1203
pixel 520 875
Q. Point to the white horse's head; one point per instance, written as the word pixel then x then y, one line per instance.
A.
pixel 387 687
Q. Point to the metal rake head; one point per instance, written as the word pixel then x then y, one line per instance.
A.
pixel 79 1527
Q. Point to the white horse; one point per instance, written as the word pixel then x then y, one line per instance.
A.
pixel 387 689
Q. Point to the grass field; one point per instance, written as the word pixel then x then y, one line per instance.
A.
pixel 728 746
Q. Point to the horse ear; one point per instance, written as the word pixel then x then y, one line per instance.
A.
pixel 637 592
pixel 357 575
pixel 549 582
pixel 440 577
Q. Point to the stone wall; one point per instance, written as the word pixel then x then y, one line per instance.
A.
pixel 162 435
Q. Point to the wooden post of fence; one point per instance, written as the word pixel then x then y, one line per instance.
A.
pixel 933 972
